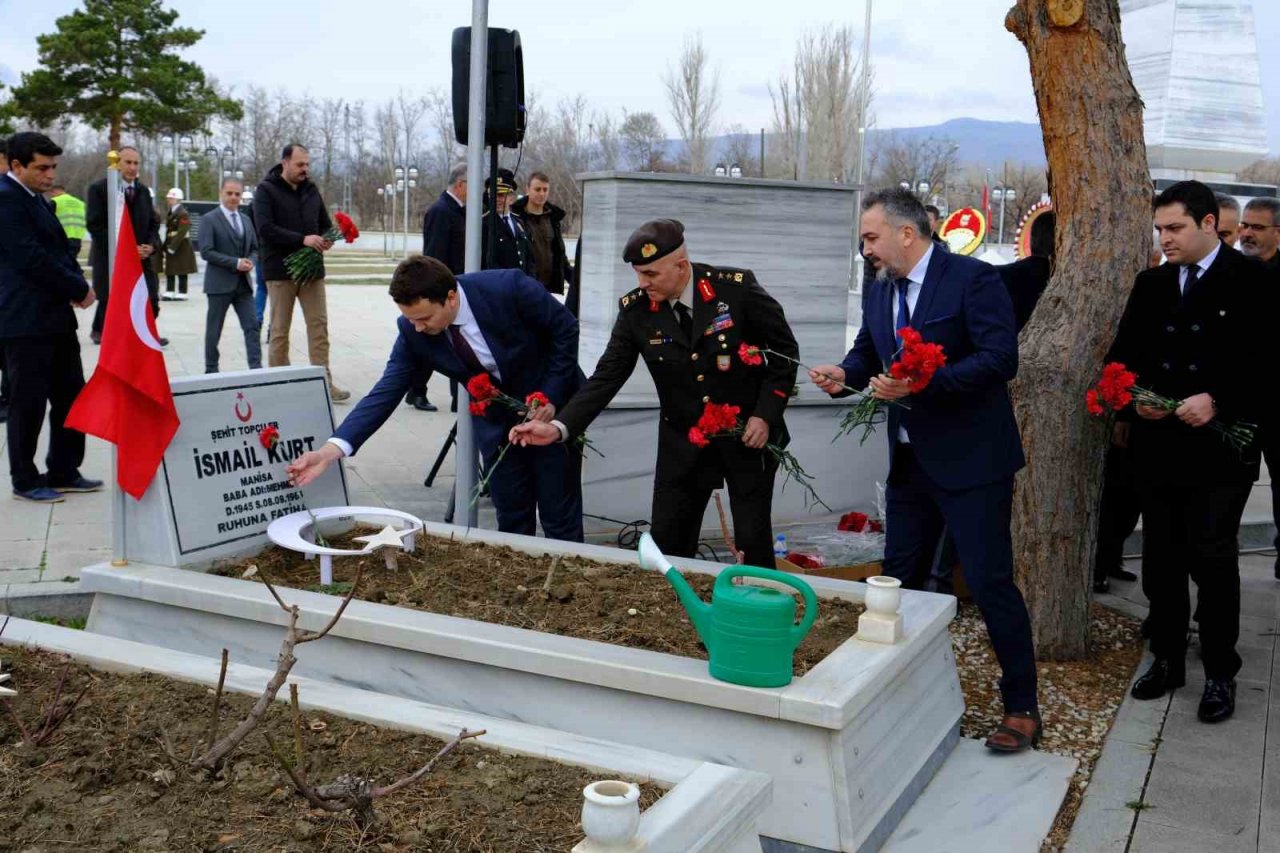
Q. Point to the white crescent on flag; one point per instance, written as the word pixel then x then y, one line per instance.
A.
pixel 138 299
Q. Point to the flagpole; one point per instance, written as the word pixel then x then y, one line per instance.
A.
pixel 119 543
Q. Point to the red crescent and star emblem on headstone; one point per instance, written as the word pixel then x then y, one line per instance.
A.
pixel 248 409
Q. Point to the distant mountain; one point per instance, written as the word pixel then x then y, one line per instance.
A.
pixel 986 143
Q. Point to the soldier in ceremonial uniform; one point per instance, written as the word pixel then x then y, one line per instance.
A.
pixel 512 251
pixel 687 321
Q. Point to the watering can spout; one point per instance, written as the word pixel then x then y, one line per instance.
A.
pixel 651 557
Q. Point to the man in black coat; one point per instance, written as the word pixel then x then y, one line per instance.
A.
pixel 1193 331
pixel 444 237
pixel 40 283
pixel 687 322
pixel 146 227
pixel 289 214
pixel 512 251
pixel 545 224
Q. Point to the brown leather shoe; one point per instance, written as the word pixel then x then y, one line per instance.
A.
pixel 1017 732
pixel 338 395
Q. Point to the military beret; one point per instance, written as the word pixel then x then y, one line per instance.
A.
pixel 655 239
pixel 506 181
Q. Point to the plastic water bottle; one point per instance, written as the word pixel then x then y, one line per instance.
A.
pixel 780 547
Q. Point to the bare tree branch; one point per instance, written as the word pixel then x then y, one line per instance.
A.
pixel 693 93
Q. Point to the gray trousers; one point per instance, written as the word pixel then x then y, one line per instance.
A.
pixel 242 302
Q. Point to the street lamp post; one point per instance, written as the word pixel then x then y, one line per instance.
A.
pixel 1002 195
pixel 391 191
pixel 382 194
pixel 409 182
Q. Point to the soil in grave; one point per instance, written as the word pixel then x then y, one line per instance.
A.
pixel 104 784
pixel 613 603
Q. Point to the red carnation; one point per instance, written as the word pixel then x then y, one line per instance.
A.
pixel 750 355
pixel 481 387
pixel 1091 402
pixel 536 399
pixel 348 228
pixel 479 409
pixel 269 437
pixel 698 437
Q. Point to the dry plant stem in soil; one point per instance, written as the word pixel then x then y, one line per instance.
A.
pixel 352 793
pixel 54 715
pixel 212 760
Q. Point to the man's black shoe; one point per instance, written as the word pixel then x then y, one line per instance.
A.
pixel 1101 585
pixel 79 484
pixel 1278 568
pixel 1164 675
pixel 422 404
pixel 96 337
pixel 1218 702
pixel 164 342
pixel 1122 574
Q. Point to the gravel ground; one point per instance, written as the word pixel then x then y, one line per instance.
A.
pixel 1078 699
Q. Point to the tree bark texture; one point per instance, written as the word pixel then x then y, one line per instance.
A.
pixel 1091 115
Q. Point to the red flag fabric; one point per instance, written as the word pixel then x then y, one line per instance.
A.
pixel 127 401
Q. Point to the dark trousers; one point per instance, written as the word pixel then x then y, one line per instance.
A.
pixel 242 302
pixel 43 373
pixel 102 289
pixel 537 483
pixel 1119 509
pixel 419 386
pixel 181 282
pixel 680 503
pixel 978 518
pixel 1271 453
pixel 1190 531
pixel 73 248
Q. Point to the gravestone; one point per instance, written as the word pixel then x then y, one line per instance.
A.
pixel 218 487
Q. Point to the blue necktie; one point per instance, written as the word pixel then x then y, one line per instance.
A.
pixel 904 313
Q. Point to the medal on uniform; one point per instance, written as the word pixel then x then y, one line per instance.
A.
pixel 722 308
pixel 722 322
pixel 723 363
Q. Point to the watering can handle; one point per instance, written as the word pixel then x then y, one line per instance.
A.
pixel 810 598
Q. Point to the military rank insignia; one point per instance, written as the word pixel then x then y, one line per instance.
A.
pixel 705 290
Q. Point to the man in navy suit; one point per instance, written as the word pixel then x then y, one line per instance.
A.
pixel 39 285
pixel 954 451
pixel 499 322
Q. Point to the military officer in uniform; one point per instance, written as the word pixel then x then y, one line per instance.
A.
pixel 513 251
pixel 687 321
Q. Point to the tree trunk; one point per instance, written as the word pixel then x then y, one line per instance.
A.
pixel 1091 117
pixel 113 135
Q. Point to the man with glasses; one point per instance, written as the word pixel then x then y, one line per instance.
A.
pixel 1259 234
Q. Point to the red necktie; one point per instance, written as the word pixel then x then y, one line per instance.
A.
pixel 464 351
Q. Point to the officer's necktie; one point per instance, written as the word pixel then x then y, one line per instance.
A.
pixel 464 351
pixel 510 226
pixel 904 312
pixel 235 224
pixel 128 194
pixel 685 318
pixel 1193 275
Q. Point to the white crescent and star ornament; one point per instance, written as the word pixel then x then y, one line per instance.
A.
pixel 138 301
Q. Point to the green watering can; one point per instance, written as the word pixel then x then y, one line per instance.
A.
pixel 749 631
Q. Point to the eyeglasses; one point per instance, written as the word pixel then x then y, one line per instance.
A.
pixel 1249 226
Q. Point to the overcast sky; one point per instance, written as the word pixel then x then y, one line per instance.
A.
pixel 933 59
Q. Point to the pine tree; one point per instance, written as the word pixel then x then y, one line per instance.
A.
pixel 115 64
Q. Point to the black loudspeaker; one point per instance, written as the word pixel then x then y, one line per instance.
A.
pixel 504 113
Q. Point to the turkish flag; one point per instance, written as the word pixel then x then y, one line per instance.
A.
pixel 127 401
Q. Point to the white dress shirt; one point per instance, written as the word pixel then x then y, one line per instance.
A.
pixel 916 279
pixel 1203 264
pixel 470 330
pixel 233 217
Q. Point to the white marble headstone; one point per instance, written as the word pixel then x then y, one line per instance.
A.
pixel 218 488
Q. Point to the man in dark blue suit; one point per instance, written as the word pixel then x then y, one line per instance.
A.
pixel 39 285
pixel 954 452
pixel 499 322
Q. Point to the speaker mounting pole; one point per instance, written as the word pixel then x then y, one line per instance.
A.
pixel 465 458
